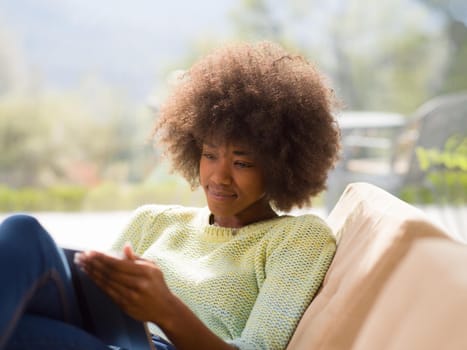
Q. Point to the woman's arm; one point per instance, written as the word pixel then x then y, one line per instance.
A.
pixel 295 261
pixel 186 331
pixel 138 287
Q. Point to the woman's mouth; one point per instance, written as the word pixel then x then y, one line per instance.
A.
pixel 221 195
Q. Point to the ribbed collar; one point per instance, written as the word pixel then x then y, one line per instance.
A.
pixel 215 233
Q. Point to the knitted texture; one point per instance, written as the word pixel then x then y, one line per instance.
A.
pixel 251 285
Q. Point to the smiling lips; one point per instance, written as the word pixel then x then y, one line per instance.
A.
pixel 221 195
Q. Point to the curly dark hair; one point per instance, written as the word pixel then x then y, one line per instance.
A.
pixel 261 95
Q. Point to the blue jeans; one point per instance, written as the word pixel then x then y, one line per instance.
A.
pixel 37 301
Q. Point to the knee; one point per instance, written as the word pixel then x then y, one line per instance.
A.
pixel 21 222
pixel 22 225
pixel 22 237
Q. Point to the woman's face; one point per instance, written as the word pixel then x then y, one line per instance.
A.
pixel 233 184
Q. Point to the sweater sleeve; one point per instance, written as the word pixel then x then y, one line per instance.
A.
pixel 139 231
pixel 293 263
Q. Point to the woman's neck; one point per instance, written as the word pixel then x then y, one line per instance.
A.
pixel 260 212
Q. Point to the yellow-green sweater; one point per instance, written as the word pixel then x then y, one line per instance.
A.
pixel 251 285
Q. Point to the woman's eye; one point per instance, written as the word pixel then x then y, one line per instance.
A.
pixel 208 155
pixel 243 164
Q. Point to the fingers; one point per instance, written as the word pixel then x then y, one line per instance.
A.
pixel 128 273
pixel 110 276
pixel 123 293
pixel 128 252
pixel 131 282
pixel 128 298
pixel 106 263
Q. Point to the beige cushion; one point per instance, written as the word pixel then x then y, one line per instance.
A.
pixel 374 231
pixel 423 304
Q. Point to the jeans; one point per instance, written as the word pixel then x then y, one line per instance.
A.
pixel 38 307
pixel 38 303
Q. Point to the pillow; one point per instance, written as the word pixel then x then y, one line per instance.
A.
pixel 374 231
pixel 423 304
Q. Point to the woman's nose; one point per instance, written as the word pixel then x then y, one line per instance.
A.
pixel 221 174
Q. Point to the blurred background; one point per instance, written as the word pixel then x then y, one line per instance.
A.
pixel 80 83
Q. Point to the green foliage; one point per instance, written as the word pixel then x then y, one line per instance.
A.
pixel 445 175
pixel 441 187
pixel 72 137
pixel 60 198
pixel 453 14
pixel 111 196
pixel 107 196
pixel 254 20
pixel 454 155
pixel 161 187
pixel 388 54
pixel 352 38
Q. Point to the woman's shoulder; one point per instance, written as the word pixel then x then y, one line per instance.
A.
pixel 306 221
pixel 300 241
pixel 302 227
pixel 150 212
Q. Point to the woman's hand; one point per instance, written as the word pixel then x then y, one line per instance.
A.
pixel 138 287
pixel 135 284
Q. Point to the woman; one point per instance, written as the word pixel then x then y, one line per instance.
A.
pixel 252 125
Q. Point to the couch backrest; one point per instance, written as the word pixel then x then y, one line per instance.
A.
pixel 374 231
pixel 423 304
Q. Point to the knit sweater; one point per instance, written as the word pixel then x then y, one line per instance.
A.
pixel 250 285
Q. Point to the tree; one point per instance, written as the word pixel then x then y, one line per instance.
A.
pixel 13 69
pixel 454 15
pixel 25 158
pixel 380 55
pixel 255 20
pixel 69 137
